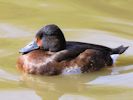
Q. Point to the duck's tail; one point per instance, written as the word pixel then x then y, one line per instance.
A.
pixel 119 50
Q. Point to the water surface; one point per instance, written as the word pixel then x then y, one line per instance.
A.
pixel 105 22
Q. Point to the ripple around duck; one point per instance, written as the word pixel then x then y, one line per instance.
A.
pixel 7 76
pixel 4 53
pixel 17 95
pixel 10 31
pixel 74 97
pixel 121 80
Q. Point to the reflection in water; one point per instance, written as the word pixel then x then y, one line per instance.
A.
pixel 73 86
pixel 57 85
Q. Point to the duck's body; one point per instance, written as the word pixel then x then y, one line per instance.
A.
pixel 51 54
pixel 85 58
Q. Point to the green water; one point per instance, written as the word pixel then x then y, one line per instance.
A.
pixel 105 22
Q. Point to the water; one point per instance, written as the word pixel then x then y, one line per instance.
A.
pixel 105 22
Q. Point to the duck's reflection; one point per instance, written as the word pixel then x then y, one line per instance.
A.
pixel 72 86
pixel 52 88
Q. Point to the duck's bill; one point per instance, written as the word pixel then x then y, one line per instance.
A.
pixel 30 47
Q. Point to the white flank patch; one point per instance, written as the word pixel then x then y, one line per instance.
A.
pixel 115 57
pixel 71 70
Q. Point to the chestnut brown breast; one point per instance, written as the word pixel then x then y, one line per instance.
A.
pixel 42 62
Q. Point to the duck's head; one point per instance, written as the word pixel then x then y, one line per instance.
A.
pixel 49 37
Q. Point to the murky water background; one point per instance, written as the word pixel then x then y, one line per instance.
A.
pixel 105 22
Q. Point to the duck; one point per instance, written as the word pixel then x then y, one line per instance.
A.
pixel 50 54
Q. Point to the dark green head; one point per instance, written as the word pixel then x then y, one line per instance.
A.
pixel 52 38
